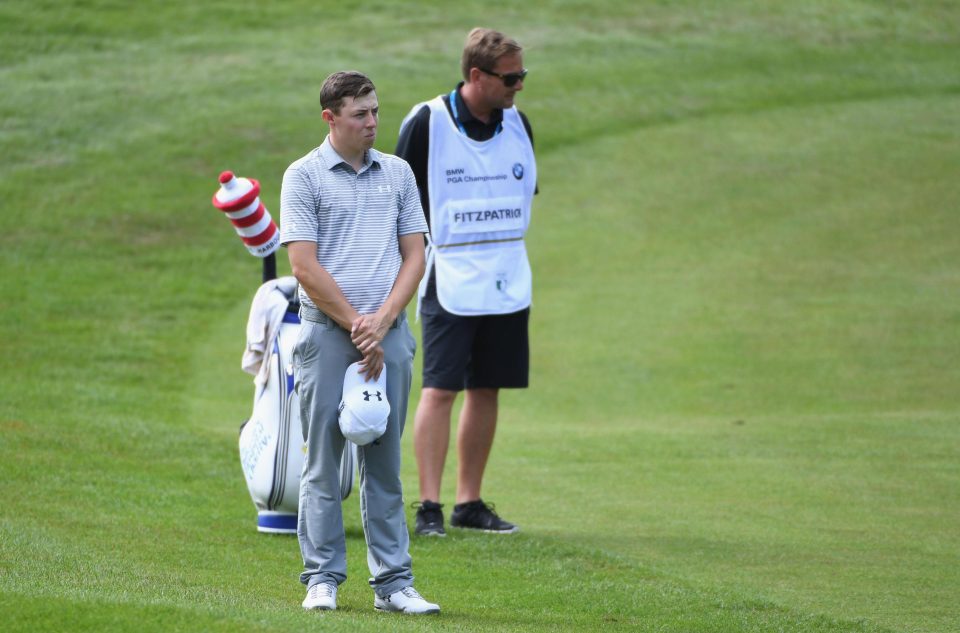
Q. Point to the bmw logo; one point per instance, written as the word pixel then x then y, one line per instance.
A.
pixel 518 171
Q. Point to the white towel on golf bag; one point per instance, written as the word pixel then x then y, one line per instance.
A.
pixel 266 314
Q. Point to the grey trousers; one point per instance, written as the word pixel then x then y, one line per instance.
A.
pixel 320 358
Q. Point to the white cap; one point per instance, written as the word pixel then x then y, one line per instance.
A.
pixel 364 408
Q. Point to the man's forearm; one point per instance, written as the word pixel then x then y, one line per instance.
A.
pixel 408 279
pixel 327 296
pixel 319 285
pixel 369 330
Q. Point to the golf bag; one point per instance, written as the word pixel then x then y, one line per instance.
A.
pixel 271 441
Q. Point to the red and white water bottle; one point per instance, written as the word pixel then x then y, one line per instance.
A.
pixel 239 199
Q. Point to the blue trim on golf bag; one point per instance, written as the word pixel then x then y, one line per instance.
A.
pixel 277 522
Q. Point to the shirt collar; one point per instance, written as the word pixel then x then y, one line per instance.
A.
pixel 331 158
pixel 465 116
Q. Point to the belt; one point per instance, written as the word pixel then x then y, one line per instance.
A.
pixel 312 314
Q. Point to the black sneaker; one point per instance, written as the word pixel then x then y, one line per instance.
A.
pixel 429 519
pixel 477 515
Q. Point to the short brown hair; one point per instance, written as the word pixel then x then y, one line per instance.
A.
pixel 343 84
pixel 483 48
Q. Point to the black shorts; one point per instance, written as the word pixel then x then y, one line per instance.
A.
pixel 474 352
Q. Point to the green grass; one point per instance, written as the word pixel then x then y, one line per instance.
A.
pixel 744 408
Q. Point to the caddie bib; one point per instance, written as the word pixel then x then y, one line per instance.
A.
pixel 480 199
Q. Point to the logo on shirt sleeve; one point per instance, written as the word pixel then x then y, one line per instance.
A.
pixel 517 171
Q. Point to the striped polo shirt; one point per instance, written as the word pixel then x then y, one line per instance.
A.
pixel 355 218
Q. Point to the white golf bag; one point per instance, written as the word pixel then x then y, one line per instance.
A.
pixel 271 441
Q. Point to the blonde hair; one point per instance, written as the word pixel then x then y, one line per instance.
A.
pixel 483 48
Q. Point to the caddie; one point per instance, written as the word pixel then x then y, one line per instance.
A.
pixel 471 151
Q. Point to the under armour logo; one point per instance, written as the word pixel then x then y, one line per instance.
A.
pixel 367 395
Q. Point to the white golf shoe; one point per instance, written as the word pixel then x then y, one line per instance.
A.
pixel 407 600
pixel 322 596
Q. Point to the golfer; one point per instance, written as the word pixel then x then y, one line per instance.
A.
pixel 354 229
pixel 471 151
